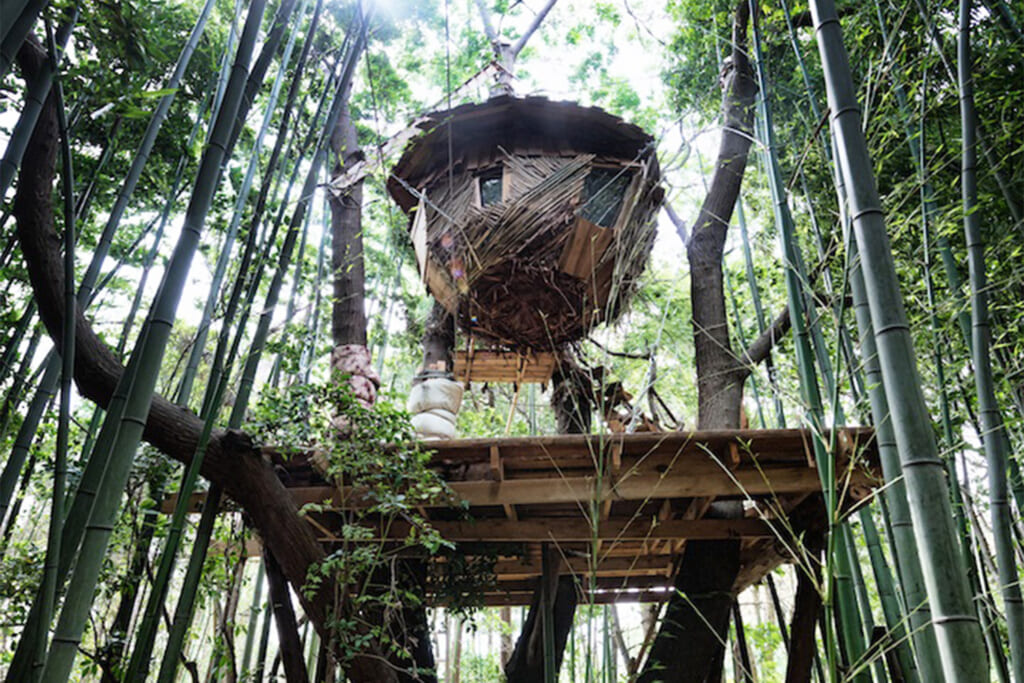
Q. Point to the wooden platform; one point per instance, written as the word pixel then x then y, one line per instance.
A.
pixel 620 508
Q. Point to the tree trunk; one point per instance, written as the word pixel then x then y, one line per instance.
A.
pixel 695 623
pixel 526 665
pixel 805 613
pixel 348 319
pixel 709 568
pixel 572 397
pixel 438 340
pixel 287 627
pixel 348 329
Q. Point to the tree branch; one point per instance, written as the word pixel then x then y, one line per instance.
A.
pixel 677 220
pixel 761 347
pixel 534 25
pixel 485 14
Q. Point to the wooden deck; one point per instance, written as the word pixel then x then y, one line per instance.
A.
pixel 620 508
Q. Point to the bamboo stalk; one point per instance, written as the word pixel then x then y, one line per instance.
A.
pixel 139 380
pixel 837 591
pixel 242 200
pixel 37 90
pixel 217 384
pixel 959 637
pixel 993 432
pixel 189 587
pixel 49 588
pixel 254 614
pixel 16 20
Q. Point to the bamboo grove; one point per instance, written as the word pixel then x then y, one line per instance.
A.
pixel 845 192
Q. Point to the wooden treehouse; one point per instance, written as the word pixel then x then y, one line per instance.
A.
pixel 531 219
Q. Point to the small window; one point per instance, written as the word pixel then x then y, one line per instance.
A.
pixel 604 191
pixel 490 188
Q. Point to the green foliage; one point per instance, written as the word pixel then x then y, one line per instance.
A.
pixel 702 33
pixel 460 581
pixel 374 453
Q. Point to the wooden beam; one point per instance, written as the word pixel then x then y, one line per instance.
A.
pixel 705 482
pixel 498 473
pixel 579 530
pixel 767 444
pixel 586 583
pixel 598 598
pixel 680 484
pixel 584 566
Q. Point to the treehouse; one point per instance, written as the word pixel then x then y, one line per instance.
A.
pixel 531 219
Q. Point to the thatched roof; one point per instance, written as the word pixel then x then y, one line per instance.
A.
pixel 528 125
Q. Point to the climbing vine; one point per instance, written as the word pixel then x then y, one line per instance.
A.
pixel 378 562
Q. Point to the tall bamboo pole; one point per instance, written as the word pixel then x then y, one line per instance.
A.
pixel 254 615
pixel 16 20
pixel 131 180
pixel 220 375
pixel 993 431
pixel 198 347
pixel 216 387
pixel 139 381
pixel 959 636
pixel 189 587
pixel 20 380
pixel 904 541
pixel 36 91
pixel 87 288
pixel 48 590
pixel 837 591
pixel 10 12
pixel 13 343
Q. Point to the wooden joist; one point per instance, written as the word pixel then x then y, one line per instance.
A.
pixel 580 531
pixel 605 597
pixel 539 491
pixel 649 565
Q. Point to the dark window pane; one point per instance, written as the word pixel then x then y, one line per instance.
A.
pixel 603 193
pixel 490 190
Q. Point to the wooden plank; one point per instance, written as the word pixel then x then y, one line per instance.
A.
pixel 766 446
pixel 439 286
pixel 484 365
pixel 419 237
pixel 704 483
pixel 584 249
